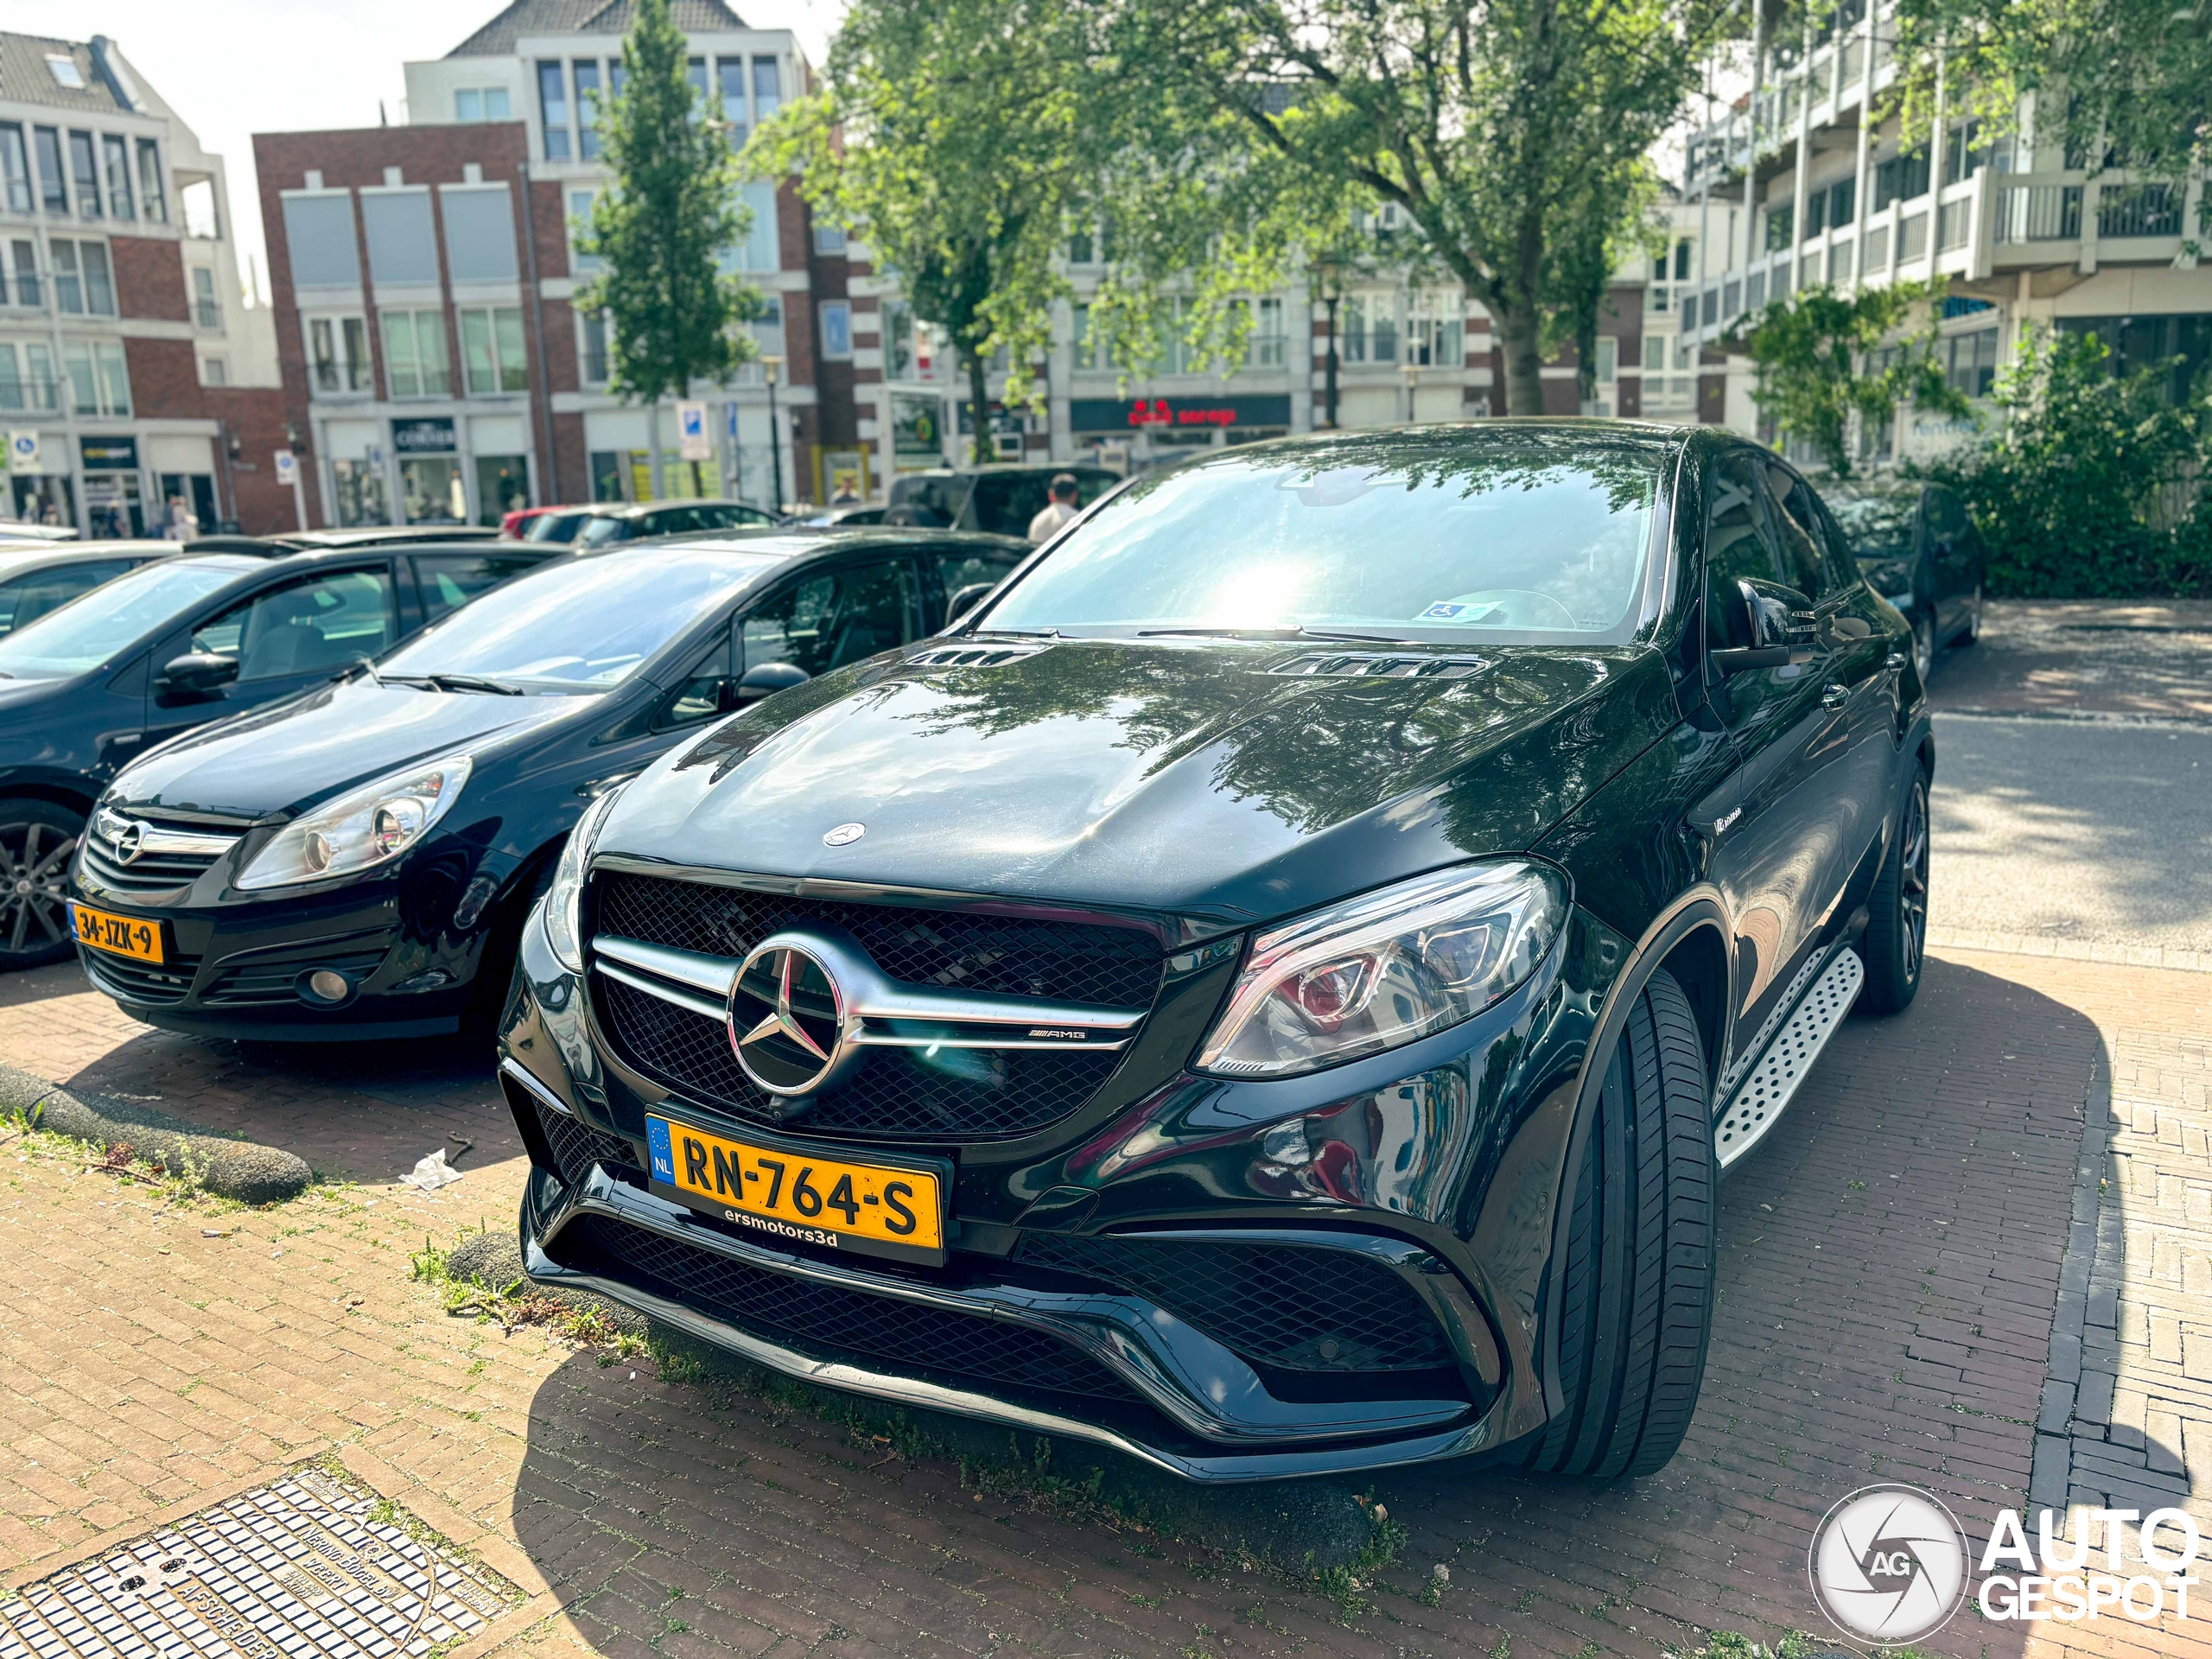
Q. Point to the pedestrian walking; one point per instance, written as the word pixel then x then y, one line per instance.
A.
pixel 1062 507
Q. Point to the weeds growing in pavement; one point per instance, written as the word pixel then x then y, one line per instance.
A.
pixel 520 1303
pixel 171 1175
pixel 1797 1644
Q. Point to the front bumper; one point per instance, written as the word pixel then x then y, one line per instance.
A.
pixel 1443 1181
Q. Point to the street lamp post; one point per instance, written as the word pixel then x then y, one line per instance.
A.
pixel 1411 370
pixel 769 367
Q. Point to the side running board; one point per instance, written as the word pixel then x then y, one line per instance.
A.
pixel 1753 1109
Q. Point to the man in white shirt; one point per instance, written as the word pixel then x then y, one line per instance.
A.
pixel 1061 508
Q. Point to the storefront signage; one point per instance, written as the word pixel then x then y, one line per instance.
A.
pixel 430 437
pixel 917 427
pixel 1113 414
pixel 111 455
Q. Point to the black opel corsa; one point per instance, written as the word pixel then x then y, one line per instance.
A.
pixel 357 861
pixel 1274 989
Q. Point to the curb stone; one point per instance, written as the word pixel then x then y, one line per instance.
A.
pixel 241 1170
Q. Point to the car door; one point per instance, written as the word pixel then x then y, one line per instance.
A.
pixel 1774 851
pixel 296 632
pixel 1955 552
pixel 824 618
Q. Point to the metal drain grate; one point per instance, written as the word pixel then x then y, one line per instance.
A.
pixel 1753 1108
pixel 307 1567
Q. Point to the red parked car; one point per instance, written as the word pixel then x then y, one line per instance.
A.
pixel 513 525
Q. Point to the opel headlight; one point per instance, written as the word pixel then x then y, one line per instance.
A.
pixel 366 827
pixel 1385 968
pixel 563 925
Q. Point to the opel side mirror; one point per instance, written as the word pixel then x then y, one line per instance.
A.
pixel 199 672
pixel 966 599
pixel 764 679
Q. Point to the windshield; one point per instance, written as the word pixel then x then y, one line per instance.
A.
pixel 581 625
pixel 554 527
pixel 94 629
pixel 1880 526
pixel 1425 537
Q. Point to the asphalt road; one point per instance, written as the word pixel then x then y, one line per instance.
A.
pixel 2091 833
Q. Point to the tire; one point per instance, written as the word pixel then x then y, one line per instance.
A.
pixel 1896 940
pixel 1923 645
pixel 37 839
pixel 1636 1311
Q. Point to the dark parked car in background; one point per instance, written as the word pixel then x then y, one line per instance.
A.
pixel 43 576
pixel 999 500
pixel 1918 548
pixel 358 863
pixel 1274 989
pixel 601 526
pixel 172 645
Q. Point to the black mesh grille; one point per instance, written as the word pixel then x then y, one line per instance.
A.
pixel 577 1145
pixel 1276 1305
pixel 1070 962
pixel 917 1339
pixel 141 982
pixel 997 1092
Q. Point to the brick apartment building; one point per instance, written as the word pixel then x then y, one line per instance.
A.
pixel 131 368
pixel 423 274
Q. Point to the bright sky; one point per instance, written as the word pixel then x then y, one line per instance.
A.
pixel 243 66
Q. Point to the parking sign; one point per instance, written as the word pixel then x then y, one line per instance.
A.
pixel 288 468
pixel 23 452
pixel 692 441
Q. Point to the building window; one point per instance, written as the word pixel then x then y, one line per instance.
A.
pixel 414 360
pixel 115 157
pixel 580 207
pixel 86 170
pixel 491 355
pixel 1843 201
pixel 338 350
pixel 28 388
pixel 472 104
pixel 729 76
pixel 214 371
pixel 759 250
pixel 828 240
pixel 768 335
pixel 15 167
pixel 84 284
pixel 1083 249
pixel 206 310
pixel 898 337
pixel 593 339
pixel 1970 362
pixel 403 247
pixel 767 89
pixel 1368 327
pixel 1778 224
pixel 65 72
pixel 586 72
pixel 99 383
pixel 200 217
pixel 1609 359
pixel 1435 319
pixel 695 73
pixel 151 202
pixel 20 282
pixel 54 190
pixel 837 331
pixel 553 109
pixel 1902 178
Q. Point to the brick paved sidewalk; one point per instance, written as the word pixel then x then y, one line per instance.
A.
pixel 1892 1264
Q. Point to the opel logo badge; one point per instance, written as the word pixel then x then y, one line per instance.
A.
pixel 844 835
pixel 787 1020
pixel 125 838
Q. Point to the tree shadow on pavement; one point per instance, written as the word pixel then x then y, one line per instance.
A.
pixel 1890 1263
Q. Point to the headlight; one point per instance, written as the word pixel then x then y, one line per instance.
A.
pixel 358 831
pixel 1385 968
pixel 563 927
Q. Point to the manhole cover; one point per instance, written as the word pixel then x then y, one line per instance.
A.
pixel 305 1567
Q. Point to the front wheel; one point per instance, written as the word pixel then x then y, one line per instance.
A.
pixel 1897 921
pixel 36 840
pixel 1635 1314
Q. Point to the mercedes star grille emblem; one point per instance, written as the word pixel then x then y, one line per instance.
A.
pixel 844 835
pixel 124 836
pixel 788 1021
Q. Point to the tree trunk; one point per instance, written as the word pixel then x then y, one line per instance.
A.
pixel 1334 300
pixel 652 445
pixel 1524 362
pixel 979 400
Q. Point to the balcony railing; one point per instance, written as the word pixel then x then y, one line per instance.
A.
pixel 2138 210
pixel 2039 213
pixel 208 313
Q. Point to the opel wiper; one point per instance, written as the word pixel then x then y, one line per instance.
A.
pixel 1274 633
pixel 473 683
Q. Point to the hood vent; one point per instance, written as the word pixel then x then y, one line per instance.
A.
pixel 971 656
pixel 1381 666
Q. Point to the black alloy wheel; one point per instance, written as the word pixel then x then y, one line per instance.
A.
pixel 37 840
pixel 1636 1311
pixel 1896 942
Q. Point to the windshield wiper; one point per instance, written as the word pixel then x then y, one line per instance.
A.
pixel 1277 634
pixel 453 683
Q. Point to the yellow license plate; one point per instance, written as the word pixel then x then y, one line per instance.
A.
pixel 120 936
pixel 878 1209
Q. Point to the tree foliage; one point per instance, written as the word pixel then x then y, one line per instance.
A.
pixel 663 227
pixel 1811 352
pixel 2093 484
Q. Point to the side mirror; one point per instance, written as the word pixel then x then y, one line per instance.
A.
pixel 1760 623
pixel 763 679
pixel 199 672
pixel 966 599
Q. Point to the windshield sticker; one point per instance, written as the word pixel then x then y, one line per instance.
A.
pixel 1454 610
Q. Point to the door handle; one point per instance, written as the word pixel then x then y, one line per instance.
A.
pixel 1834 697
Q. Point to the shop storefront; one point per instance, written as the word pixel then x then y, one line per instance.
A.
pixel 499 448
pixel 184 472
pixel 115 499
pixel 1153 431
pixel 917 432
pixel 359 491
pixel 430 488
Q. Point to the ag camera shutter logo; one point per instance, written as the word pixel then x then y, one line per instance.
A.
pixel 1889 1565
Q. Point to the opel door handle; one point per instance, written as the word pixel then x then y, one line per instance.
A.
pixel 1834 697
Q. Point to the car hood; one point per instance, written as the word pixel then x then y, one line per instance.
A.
pixel 275 760
pixel 1225 784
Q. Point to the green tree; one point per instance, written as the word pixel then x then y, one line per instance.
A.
pixel 662 228
pixel 954 139
pixel 1515 134
pixel 1812 352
